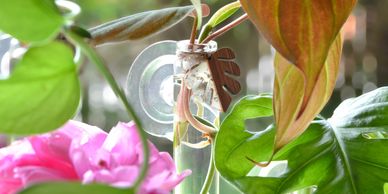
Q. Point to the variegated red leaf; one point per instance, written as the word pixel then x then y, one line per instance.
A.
pixel 286 97
pixel 302 31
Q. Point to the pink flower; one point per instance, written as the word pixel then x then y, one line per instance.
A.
pixel 81 152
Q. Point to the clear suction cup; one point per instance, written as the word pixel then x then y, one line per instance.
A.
pixel 150 87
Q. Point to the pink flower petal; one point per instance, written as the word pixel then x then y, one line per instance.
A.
pixel 51 157
pixel 121 140
pixel 10 185
pixel 33 174
pixel 78 151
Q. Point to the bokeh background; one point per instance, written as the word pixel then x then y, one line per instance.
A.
pixel 364 65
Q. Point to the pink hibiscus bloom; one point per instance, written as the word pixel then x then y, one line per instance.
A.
pixel 81 152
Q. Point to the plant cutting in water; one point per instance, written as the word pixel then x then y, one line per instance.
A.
pixel 299 152
pixel 212 77
pixel 205 78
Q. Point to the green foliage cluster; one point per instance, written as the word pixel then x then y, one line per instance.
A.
pixel 343 154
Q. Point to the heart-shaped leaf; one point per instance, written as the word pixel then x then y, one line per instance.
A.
pixel 73 187
pixel 139 26
pixel 336 156
pixel 303 32
pixel 30 20
pixel 42 93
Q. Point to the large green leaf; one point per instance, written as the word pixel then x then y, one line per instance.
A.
pixel 235 144
pixel 30 20
pixel 315 159
pixel 346 154
pixel 139 26
pixel 42 93
pixel 363 124
pixel 73 187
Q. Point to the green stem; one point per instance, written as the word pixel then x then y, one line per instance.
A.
pixel 210 173
pixel 98 61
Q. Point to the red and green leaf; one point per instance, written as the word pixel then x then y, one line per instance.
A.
pixel 288 80
pixel 291 118
pixel 303 32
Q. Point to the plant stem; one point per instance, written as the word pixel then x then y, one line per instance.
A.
pixel 210 173
pixel 194 31
pixel 225 28
pixel 98 61
pixel 186 94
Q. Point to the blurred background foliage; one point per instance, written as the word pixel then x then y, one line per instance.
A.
pixel 364 65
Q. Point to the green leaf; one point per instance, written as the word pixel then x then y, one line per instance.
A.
pixel 204 121
pixel 353 119
pixel 386 188
pixel 139 26
pixel 30 20
pixel 218 17
pixel 331 156
pixel 81 32
pixel 224 13
pixel 368 110
pixel 234 144
pixel 314 159
pixel 73 187
pixel 42 93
